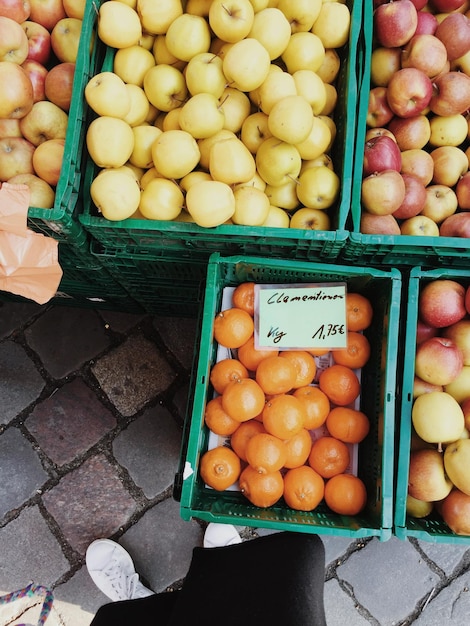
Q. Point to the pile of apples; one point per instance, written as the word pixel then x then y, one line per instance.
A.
pixel 440 444
pixel 416 178
pixel 218 112
pixel 38 48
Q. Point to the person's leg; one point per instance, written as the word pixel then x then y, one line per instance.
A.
pixel 277 580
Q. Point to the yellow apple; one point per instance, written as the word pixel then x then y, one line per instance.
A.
pixel 450 163
pixel 118 24
pixel 198 7
pixel 283 196
pixel 149 175
pixel 165 87
pixel 161 199
pixel 259 5
pixel 210 203
pixel 272 29
pixel 318 141
pixel 175 153
pixel 427 417
pixel 115 194
pixel 147 40
pixel 171 120
pixel 231 20
pixel 419 226
pixel 246 64
pixel 449 130
pixel 275 87
pixel 187 36
pixel 231 162
pixel 156 17
pixel 310 219
pixel 65 39
pixel 277 161
pixel 291 119
pixel 139 108
pixel 202 116
pixel 254 93
pixel 318 187
pixel 305 51
pixel 110 141
pixel 322 159
pixel 301 14
pixel 251 206
pixel 330 66
pixel 162 54
pixel 132 63
pixel 204 74
pixel 331 99
pixel 236 106
pixel 277 218
pixel 256 182
pixel 205 145
pixel 459 388
pixel 441 202
pixel 144 136
pixel 41 194
pixel 255 130
pixel 309 85
pixel 333 24
pixel 106 94
pixel 196 176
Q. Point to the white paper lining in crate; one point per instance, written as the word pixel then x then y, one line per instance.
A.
pixel 322 362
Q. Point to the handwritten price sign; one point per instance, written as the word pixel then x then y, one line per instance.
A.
pixel 289 317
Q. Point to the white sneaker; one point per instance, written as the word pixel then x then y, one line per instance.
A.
pixel 218 535
pixel 112 570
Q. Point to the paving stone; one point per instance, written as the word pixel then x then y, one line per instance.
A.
pixel 77 600
pixel 335 547
pixel 179 335
pixel 21 472
pixel 133 374
pixel 20 382
pixel 340 608
pixel 451 607
pixel 89 502
pixel 446 556
pixel 14 314
pixel 69 422
pixel 65 338
pixel 149 449
pixel 161 544
pixel 392 560
pixel 29 552
pixel 120 322
pixel 180 400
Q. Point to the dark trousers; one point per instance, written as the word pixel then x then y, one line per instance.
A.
pixel 276 580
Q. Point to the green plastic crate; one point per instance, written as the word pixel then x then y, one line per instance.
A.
pixel 198 242
pixel 61 222
pixel 432 528
pixel 391 250
pixel 375 463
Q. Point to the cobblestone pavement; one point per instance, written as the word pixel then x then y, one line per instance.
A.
pixel 91 412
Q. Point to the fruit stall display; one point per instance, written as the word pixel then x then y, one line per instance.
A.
pixel 432 491
pixel 330 388
pixel 246 201
pixel 410 200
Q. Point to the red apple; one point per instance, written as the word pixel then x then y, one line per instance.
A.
pixel 47 12
pixel 37 75
pixel 59 84
pixel 381 153
pixel 379 131
pixel 13 41
pixel 17 10
pixel 442 303
pixel 47 160
pixel 446 6
pixel 383 192
pixel 378 224
pixel 426 53
pixel 451 94
pixel 462 191
pixel 419 4
pixel 459 333
pixel 421 386
pixel 455 511
pixel 419 163
pixel 379 112
pixel 438 361
pixel 427 23
pixel 415 198
pixel 440 203
pixel 39 42
pixel 384 62
pixel 409 91
pixel 395 23
pixel 427 479
pixel 454 32
pixel 450 163
pixel 424 331
pixel 457 225
pixel 17 91
pixel 410 132
pixel 16 157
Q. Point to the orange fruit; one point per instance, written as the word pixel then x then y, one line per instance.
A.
pixel 233 327
pixel 329 456
pixel 340 384
pixel 284 416
pixel 359 311
pixel 262 490
pixel 357 352
pixel 303 488
pixel 316 403
pixel 243 297
pixel 304 364
pixel 345 494
pixel 318 351
pixel 266 453
pixel 298 448
pixel 226 371
pixel 250 356
pixel 276 375
pixel 243 399
pixel 218 420
pixel 242 436
pixel 220 467
pixel 348 425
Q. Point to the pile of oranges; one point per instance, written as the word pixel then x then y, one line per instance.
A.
pixel 267 404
